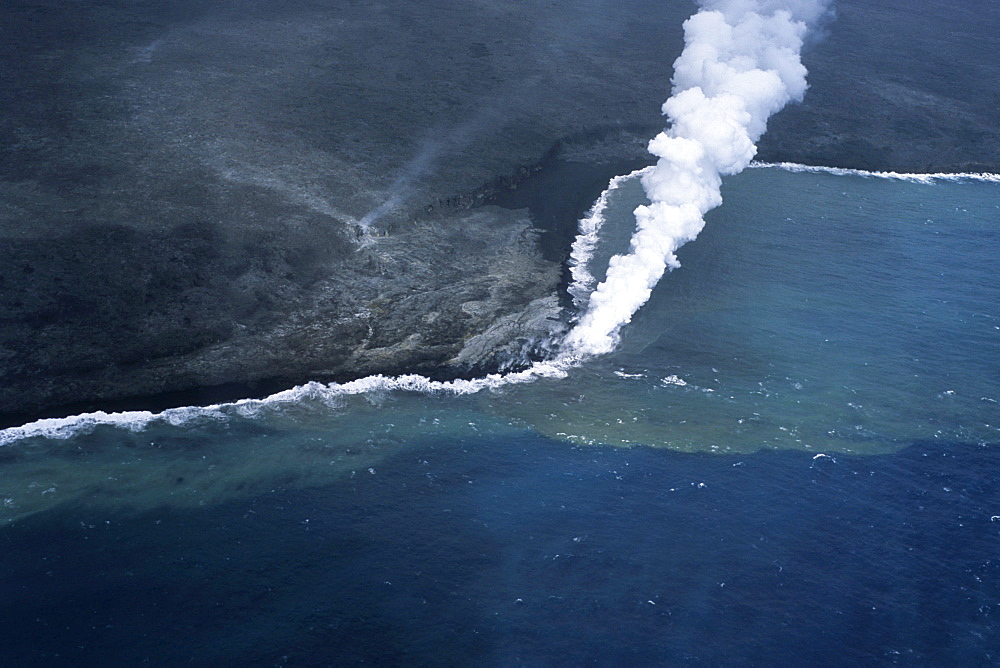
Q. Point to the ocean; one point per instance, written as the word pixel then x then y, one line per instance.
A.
pixel 789 458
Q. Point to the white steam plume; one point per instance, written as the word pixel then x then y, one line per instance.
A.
pixel 740 65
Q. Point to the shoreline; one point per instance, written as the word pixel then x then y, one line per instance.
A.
pixel 556 218
pixel 167 242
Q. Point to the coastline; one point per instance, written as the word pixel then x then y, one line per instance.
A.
pixel 554 217
pixel 555 209
pixel 162 240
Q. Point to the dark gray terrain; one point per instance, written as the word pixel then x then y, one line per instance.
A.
pixel 248 195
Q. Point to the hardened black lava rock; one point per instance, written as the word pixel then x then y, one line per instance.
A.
pixel 249 195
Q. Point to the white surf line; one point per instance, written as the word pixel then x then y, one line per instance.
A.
pixel 136 421
pixel 587 239
pixel 898 176
pixel 582 252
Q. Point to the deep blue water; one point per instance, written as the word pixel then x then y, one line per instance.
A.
pixel 528 552
pixel 805 472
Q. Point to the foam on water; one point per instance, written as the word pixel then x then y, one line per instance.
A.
pixel 134 421
pixel 586 242
pixel 985 177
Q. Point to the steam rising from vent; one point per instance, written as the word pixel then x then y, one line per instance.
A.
pixel 437 144
pixel 401 189
pixel 739 66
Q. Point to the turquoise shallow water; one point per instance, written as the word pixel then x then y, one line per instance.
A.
pixel 817 311
pixel 793 447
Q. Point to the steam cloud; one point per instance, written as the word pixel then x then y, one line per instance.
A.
pixel 740 65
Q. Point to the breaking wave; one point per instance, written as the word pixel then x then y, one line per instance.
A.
pixel 985 177
pixel 587 240
pixel 68 427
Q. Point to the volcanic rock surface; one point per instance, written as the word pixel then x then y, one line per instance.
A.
pixel 254 194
